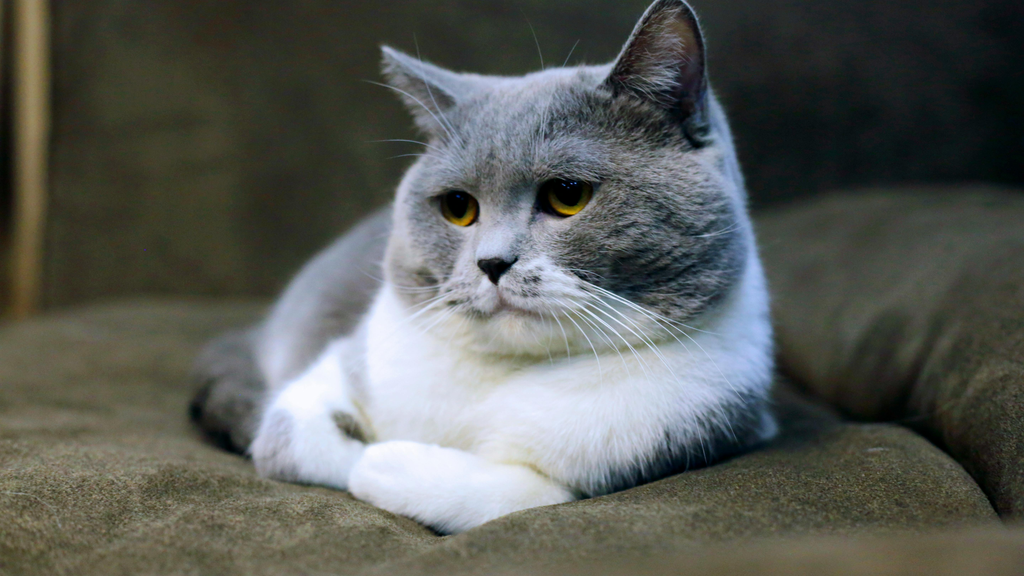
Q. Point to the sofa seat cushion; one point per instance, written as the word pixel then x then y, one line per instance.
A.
pixel 908 306
pixel 101 473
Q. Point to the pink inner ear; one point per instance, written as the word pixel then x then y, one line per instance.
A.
pixel 664 60
pixel 688 44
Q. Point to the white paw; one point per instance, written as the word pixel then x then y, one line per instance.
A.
pixel 272 451
pixel 429 484
pixel 308 433
pixel 308 450
pixel 397 476
pixel 447 489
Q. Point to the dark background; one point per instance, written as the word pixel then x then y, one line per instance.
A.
pixel 210 147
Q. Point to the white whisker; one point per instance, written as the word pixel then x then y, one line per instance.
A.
pixel 432 147
pixel 641 335
pixel 718 233
pixel 568 354
pixel 649 313
pixel 546 347
pixel 421 308
pixel 655 317
pixel 597 357
pixel 605 337
pixel 535 41
pixel 417 100
pixel 641 362
pixel 440 318
pixel 573 49
pixel 431 92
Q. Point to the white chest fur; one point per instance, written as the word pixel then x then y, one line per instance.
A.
pixel 572 419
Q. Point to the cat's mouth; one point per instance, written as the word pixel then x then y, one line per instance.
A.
pixel 503 303
pixel 513 310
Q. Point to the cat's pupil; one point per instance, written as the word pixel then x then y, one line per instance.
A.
pixel 458 204
pixel 568 193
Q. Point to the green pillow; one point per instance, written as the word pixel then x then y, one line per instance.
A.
pixel 907 305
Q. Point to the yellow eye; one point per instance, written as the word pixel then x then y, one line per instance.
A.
pixel 459 208
pixel 565 197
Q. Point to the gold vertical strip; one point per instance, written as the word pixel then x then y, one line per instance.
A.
pixel 30 104
pixel 3 54
pixel 5 185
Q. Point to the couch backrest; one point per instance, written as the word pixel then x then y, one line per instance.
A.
pixel 211 147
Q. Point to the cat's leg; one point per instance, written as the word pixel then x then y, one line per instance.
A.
pixel 228 405
pixel 309 432
pixel 447 489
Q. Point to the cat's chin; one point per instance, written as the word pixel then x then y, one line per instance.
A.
pixel 506 310
pixel 506 330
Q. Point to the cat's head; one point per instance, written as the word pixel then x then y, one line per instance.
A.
pixel 590 204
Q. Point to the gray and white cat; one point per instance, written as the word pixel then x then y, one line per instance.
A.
pixel 572 302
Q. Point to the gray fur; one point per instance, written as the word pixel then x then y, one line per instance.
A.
pixel 349 426
pixel 325 300
pixel 662 232
pixel 667 226
pixel 227 406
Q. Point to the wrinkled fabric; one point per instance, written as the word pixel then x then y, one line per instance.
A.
pixel 101 473
pixel 908 306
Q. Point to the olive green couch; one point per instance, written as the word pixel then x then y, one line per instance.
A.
pixel 904 310
pixel 202 151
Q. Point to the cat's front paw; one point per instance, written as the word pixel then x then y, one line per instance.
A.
pixel 411 479
pixel 447 489
pixel 310 450
pixel 391 475
pixel 272 450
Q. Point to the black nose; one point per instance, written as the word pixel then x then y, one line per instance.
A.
pixel 495 267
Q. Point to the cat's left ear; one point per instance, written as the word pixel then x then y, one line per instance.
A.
pixel 427 90
pixel 663 62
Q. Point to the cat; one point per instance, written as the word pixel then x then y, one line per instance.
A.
pixel 572 302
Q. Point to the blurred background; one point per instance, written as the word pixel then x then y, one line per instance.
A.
pixel 208 148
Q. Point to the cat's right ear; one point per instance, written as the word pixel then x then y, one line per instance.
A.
pixel 427 90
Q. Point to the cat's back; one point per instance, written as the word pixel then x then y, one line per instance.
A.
pixel 326 300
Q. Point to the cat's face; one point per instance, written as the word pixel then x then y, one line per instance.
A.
pixel 572 208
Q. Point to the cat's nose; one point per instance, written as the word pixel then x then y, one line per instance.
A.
pixel 495 267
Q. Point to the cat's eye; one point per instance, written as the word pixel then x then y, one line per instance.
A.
pixel 459 208
pixel 565 197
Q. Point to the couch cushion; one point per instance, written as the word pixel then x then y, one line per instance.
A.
pixel 101 473
pixel 908 306
pixel 975 552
